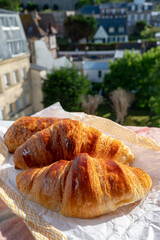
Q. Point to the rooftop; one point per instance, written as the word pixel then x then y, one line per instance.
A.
pixel 113 22
pixel 89 9
pixel 95 65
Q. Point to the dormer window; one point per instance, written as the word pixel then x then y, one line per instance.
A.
pixel 121 29
pixel 145 7
pixel 122 11
pixel 133 8
pixel 4 21
pixel 13 21
pixel 111 30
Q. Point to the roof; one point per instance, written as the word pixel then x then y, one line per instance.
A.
pixel 96 65
pixel 113 5
pixel 38 24
pixel 37 67
pixel 89 9
pixel 155 13
pixel 5 11
pixel 48 22
pixel 157 34
pixel 106 23
pixel 120 53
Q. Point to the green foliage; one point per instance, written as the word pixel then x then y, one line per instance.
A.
pixel 137 73
pixel 123 73
pixel 13 5
pixel 66 86
pixel 149 32
pixel 31 6
pixel 78 27
pixel 139 27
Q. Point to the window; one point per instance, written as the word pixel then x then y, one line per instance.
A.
pixel 129 17
pixel 2 114
pixel 6 80
pixel 122 10
pixel 133 7
pixel 121 29
pixel 145 7
pixel 23 74
pixel 142 16
pixel 99 73
pixel 139 8
pixel 15 77
pixel 13 21
pixel 19 104
pixel 11 113
pixel 111 29
pixel 26 100
pixel 16 47
pixel 148 17
pixel 4 21
pixel 113 11
pixel 135 17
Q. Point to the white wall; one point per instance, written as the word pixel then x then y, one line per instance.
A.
pixel 93 75
pixel 101 34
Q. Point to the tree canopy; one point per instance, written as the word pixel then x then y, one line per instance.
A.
pixel 13 5
pixel 136 73
pixel 65 86
pixel 78 27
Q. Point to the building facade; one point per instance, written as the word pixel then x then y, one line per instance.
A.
pixel 139 10
pixel 40 26
pixel 95 70
pixel 59 4
pixel 111 30
pixel 15 96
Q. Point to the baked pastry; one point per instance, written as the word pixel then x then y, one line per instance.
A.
pixel 64 140
pixel 84 188
pixel 23 128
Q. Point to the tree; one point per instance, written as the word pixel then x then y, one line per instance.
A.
pixel 31 6
pixel 139 27
pixel 149 32
pixel 66 86
pixel 132 73
pixel 123 73
pixel 78 27
pixel 13 5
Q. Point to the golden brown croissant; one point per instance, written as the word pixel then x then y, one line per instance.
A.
pixel 64 140
pixel 84 188
pixel 23 128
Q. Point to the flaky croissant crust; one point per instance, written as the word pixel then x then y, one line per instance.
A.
pixel 64 140
pixel 23 128
pixel 84 188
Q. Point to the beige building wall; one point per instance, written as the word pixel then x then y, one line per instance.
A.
pixel 37 74
pixel 15 88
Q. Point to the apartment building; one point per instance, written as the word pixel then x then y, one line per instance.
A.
pixel 139 10
pixel 15 95
pixel 59 4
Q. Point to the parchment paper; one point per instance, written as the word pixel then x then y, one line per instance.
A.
pixel 140 220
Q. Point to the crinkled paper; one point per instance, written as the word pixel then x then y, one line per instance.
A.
pixel 140 220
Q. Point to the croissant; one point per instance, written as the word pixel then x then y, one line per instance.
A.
pixel 64 140
pixel 23 128
pixel 85 187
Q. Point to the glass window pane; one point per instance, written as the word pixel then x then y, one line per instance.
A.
pixel 6 80
pixel 2 114
pixel 15 76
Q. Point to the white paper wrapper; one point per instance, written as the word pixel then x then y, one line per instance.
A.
pixel 140 220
